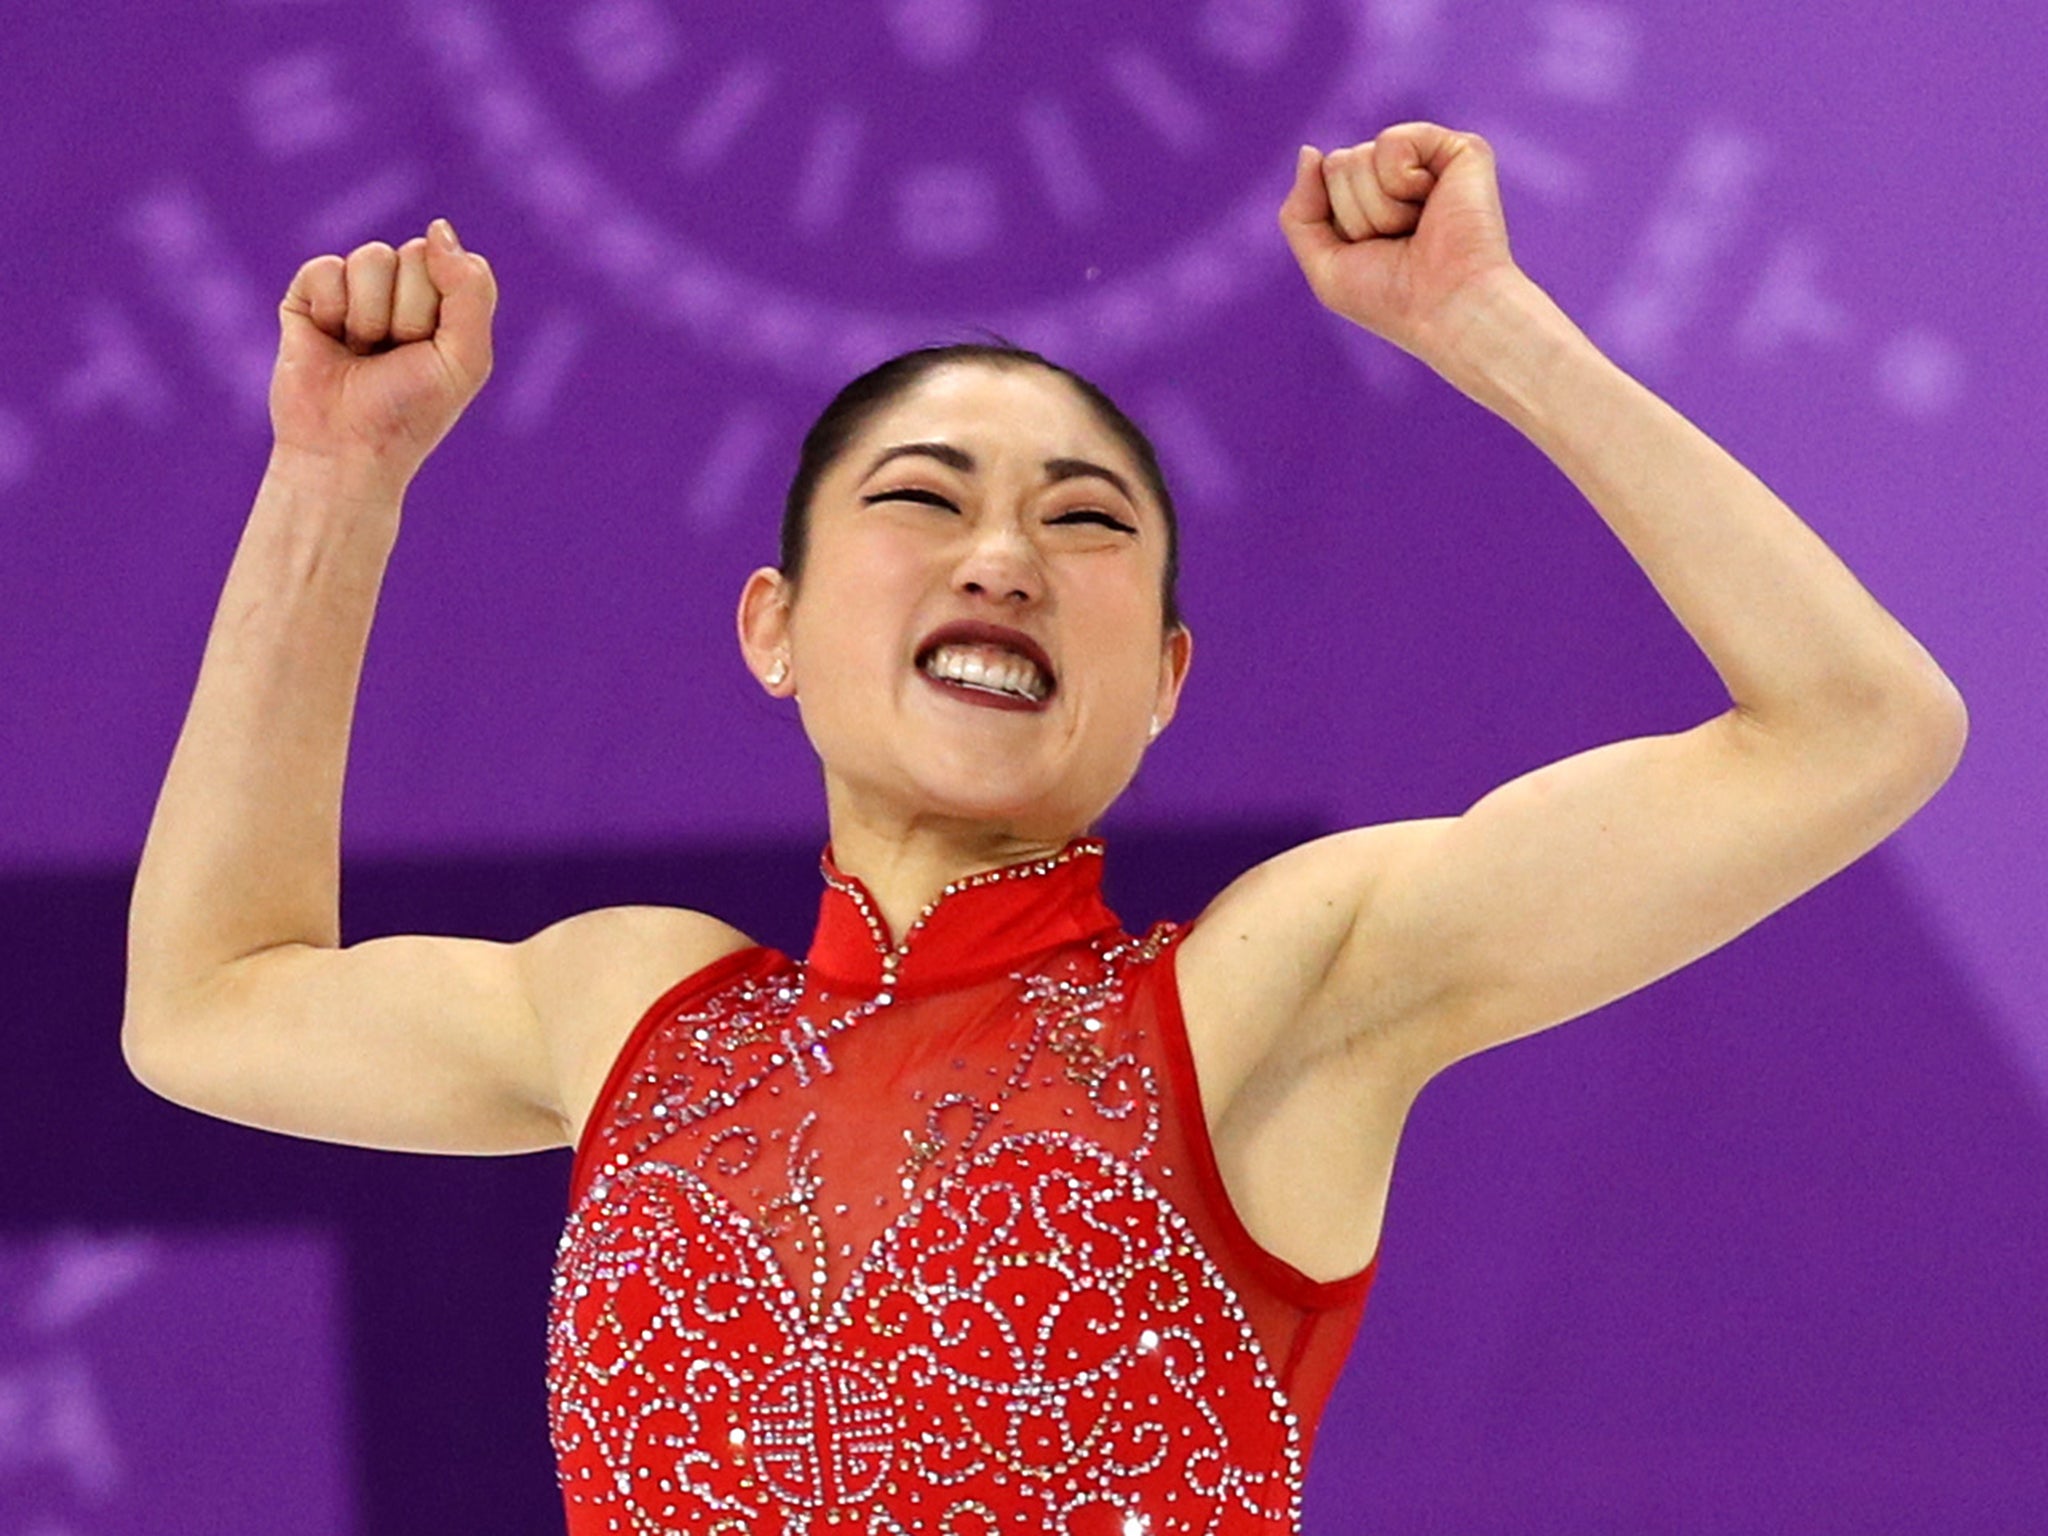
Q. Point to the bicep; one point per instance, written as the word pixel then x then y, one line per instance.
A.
pixel 1598 874
pixel 420 1043
pixel 410 1042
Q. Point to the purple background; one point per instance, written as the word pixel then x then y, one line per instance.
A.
pixel 1757 1247
pixel 181 1381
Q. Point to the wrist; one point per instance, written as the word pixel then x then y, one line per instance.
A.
pixel 355 480
pixel 321 513
pixel 1503 342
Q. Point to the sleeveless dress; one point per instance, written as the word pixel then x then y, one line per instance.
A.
pixel 928 1237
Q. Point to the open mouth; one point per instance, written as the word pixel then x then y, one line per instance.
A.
pixel 987 673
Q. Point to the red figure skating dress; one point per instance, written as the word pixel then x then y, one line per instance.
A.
pixel 928 1238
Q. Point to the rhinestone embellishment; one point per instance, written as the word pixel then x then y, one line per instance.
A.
pixel 972 1308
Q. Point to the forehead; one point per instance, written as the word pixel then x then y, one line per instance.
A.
pixel 1007 416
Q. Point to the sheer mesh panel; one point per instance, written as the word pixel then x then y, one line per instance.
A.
pixel 944 1237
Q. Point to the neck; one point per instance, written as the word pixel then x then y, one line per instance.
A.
pixel 906 863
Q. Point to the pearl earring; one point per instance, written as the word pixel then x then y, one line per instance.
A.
pixel 1156 728
pixel 777 673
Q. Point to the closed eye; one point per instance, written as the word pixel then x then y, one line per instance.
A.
pixel 1101 517
pixel 929 498
pixel 934 499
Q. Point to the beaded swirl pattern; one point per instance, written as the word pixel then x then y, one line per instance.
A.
pixel 971 1309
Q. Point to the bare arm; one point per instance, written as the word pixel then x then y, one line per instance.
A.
pixel 1417 943
pixel 1590 877
pixel 241 1000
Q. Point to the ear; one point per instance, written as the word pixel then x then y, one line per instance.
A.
pixel 1174 657
pixel 763 621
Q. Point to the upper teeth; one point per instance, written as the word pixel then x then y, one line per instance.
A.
pixel 986 666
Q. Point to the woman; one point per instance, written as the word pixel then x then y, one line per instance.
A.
pixel 986 1215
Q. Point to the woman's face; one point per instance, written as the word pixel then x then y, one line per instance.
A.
pixel 990 502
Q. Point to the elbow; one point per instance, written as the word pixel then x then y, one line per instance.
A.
pixel 1927 717
pixel 1886 752
pixel 147 1051
pixel 175 1064
pixel 1906 733
pixel 146 1009
pixel 145 1059
pixel 1937 728
pixel 140 1059
pixel 175 1014
pixel 1919 742
pixel 187 1039
pixel 161 1032
pixel 1913 725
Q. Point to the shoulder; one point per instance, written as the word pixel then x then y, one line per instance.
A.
pixel 593 976
pixel 1300 904
pixel 1259 954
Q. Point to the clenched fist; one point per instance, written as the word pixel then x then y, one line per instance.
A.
pixel 381 351
pixel 1398 233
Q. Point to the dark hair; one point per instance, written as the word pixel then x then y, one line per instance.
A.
pixel 881 386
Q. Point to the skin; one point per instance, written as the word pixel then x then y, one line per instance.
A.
pixel 1321 988
pixel 922 788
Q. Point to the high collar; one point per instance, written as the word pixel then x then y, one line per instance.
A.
pixel 976 927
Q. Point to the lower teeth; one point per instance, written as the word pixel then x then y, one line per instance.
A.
pixel 1005 693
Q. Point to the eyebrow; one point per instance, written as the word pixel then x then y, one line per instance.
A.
pixel 960 459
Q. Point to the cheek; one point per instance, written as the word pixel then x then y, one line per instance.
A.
pixel 1122 623
pixel 855 596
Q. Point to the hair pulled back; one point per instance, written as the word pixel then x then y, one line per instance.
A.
pixel 866 397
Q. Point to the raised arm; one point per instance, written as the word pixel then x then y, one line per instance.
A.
pixel 1412 944
pixel 241 1000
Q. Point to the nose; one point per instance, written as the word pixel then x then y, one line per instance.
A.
pixel 1000 562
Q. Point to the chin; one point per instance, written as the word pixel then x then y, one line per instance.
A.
pixel 1014 806
pixel 926 775
pixel 1025 802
